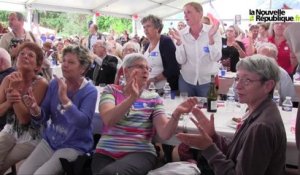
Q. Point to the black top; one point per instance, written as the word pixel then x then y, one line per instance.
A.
pixel 104 73
pixel 3 74
pixel 6 72
pixel 230 52
pixel 171 67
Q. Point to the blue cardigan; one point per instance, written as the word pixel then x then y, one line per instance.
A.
pixel 70 128
pixel 171 67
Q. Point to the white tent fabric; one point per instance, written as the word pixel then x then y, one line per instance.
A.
pixel 119 8
pixel 165 9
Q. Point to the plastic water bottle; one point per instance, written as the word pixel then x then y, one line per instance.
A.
pixel 230 102
pixel 167 91
pixel 287 104
pixel 152 87
pixel 276 97
pixel 122 80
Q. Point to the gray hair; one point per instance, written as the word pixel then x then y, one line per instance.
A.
pixel 272 49
pixel 156 21
pixel 133 45
pixel 82 54
pixel 264 66
pixel 102 43
pixel 130 59
pixel 4 55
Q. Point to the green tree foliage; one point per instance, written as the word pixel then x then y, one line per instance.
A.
pixel 4 17
pixel 106 23
pixel 67 24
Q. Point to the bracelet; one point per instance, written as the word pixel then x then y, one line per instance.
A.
pixel 67 105
pixel 35 115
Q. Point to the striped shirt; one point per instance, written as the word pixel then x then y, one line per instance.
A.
pixel 134 132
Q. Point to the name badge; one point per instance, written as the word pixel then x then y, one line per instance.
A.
pixel 224 46
pixel 286 48
pixel 153 54
pixel 206 49
pixel 142 105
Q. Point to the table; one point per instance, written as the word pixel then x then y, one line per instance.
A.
pixel 222 124
pixel 224 127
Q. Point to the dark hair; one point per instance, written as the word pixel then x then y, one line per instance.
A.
pixel 36 49
pixel 252 27
pixel 94 26
pixel 82 54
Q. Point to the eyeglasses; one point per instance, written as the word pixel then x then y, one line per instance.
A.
pixel 149 69
pixel 245 81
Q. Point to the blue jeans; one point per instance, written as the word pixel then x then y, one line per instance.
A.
pixel 193 90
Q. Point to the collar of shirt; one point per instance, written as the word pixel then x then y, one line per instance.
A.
pixel 205 28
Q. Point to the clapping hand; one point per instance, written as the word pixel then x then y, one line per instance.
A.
pixel 175 35
pixel 13 95
pixel 29 100
pixel 187 105
pixel 213 30
pixel 206 129
pixel 62 88
pixel 15 80
pixel 134 87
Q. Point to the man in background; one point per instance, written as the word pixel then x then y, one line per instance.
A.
pixel 94 36
pixel 181 25
pixel 11 40
pixel 104 67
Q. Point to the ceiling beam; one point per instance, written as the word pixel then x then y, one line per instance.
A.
pixel 154 6
pixel 30 1
pixel 120 15
pixel 105 4
pixel 58 8
pixel 181 10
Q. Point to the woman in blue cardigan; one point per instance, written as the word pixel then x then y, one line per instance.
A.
pixel 66 113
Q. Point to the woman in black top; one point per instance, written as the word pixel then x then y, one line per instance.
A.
pixel 232 49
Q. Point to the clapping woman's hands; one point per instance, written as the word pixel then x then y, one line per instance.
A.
pixel 134 87
pixel 15 80
pixel 29 100
pixel 62 90
pixel 206 129
pixel 187 105
pixel 175 35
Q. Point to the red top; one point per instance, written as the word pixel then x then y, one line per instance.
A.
pixel 283 55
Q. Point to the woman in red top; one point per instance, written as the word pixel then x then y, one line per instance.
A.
pixel 277 38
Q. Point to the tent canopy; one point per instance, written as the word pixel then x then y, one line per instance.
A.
pixel 165 9
pixel 119 8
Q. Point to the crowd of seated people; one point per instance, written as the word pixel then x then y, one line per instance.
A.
pixel 32 97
